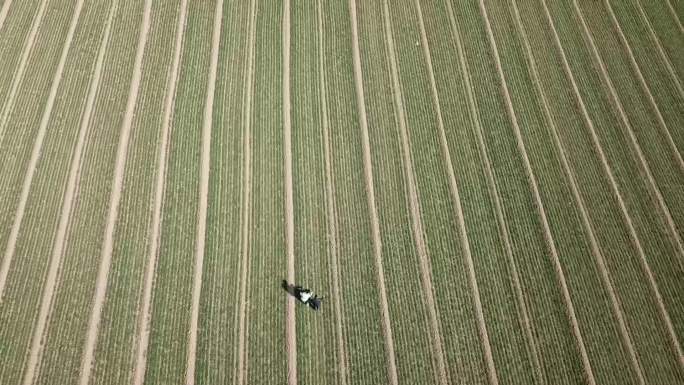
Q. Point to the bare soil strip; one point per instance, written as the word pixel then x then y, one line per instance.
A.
pixel 661 50
pixel 114 200
pixel 331 207
pixel 290 330
pixel 540 206
pixel 247 199
pixel 18 77
pixel 66 212
pixel 203 196
pixel 414 204
pixel 145 318
pixel 674 235
pixel 674 16
pixel 623 208
pixel 375 226
pixel 645 87
pixel 3 12
pixel 595 249
pixel 491 184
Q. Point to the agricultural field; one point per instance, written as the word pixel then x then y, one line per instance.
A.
pixel 482 192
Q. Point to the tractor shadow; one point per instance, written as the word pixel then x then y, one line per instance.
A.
pixel 289 288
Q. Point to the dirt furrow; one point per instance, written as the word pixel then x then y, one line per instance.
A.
pixel 290 330
pixel 674 235
pixel 241 368
pixel 493 190
pixel 375 226
pixel 331 206
pixel 6 109
pixel 623 208
pixel 3 12
pixel 414 204
pixel 203 196
pixel 661 50
pixel 595 249
pixel 17 78
pixel 540 206
pixel 114 200
pixel 146 309
pixel 58 247
pixel 674 16
pixel 645 87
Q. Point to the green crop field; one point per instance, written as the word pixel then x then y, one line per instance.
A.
pixel 482 192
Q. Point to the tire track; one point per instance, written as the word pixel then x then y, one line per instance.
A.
pixel 8 105
pixel 16 80
pixel 375 226
pixel 414 204
pixel 661 50
pixel 331 207
pixel 674 16
pixel 3 12
pixel 114 200
pixel 645 87
pixel 674 236
pixel 36 348
pixel 492 188
pixel 623 208
pixel 247 200
pixel 595 249
pixel 146 310
pixel 540 206
pixel 290 329
pixel 204 193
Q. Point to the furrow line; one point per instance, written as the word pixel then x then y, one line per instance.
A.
pixel 674 16
pixel 16 80
pixel 595 249
pixel 661 50
pixel 331 207
pixel 540 206
pixel 38 145
pixel 115 198
pixel 645 87
pixel 3 12
pixel 145 318
pixel 70 193
pixel 375 226
pixel 493 190
pixel 247 200
pixel 414 205
pixel 623 208
pixel 205 167
pixel 674 235
pixel 290 328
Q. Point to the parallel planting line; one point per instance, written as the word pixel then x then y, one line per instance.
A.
pixel 146 310
pixel 38 145
pixel 645 87
pixel 331 206
pixel 375 226
pixel 290 330
pixel 3 12
pixel 203 194
pixel 114 200
pixel 674 236
pixel 66 212
pixel 623 208
pixel 661 50
pixel 540 206
pixel 16 80
pixel 595 249
pixel 247 198
pixel 491 184
pixel 414 204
